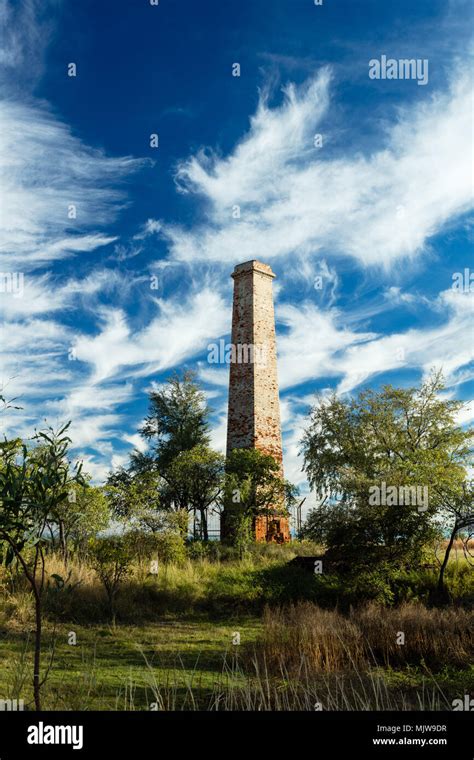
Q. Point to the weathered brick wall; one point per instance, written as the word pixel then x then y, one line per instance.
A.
pixel 254 405
pixel 240 421
pixel 266 396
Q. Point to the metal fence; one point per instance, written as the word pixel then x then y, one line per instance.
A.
pixel 214 525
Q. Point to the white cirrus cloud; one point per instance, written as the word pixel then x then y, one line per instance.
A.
pixel 318 344
pixel 46 171
pixel 295 201
pixel 181 330
pixel 312 341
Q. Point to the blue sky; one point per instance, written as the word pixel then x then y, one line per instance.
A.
pixel 381 212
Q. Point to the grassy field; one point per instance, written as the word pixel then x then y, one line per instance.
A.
pixel 120 668
pixel 305 642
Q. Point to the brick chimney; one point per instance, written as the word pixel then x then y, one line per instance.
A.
pixel 254 405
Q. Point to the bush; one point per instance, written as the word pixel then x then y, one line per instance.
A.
pixel 166 546
pixel 199 550
pixel 111 557
pixel 284 552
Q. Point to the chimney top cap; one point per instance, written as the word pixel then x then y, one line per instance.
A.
pixel 253 266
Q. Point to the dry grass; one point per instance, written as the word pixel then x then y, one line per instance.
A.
pixel 253 687
pixel 327 640
pixel 434 635
pixel 330 642
pixel 299 657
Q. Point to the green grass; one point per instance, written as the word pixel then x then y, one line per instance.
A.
pixel 194 665
pixel 113 668
pixel 172 645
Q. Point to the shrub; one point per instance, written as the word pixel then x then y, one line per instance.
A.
pixel 112 557
pixel 199 550
pixel 167 546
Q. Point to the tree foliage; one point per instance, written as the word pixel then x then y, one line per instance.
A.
pixel 177 421
pixel 398 438
pixel 456 511
pixel 253 487
pixel 194 480
pixel 34 485
pixel 85 514
pixel 112 557
pixel 134 497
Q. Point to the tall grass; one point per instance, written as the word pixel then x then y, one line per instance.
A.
pixel 314 650
pixel 218 588
pixel 307 658
pixel 255 688
pixel 370 635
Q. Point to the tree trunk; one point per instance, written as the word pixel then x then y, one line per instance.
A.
pixel 113 610
pixel 37 661
pixel 444 565
pixel 53 541
pixel 63 543
pixel 204 530
pixel 37 591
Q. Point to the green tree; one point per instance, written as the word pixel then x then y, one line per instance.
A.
pixel 31 490
pixel 84 513
pixel 194 480
pixel 456 504
pixel 87 513
pixel 253 487
pixel 134 497
pixel 177 421
pixel 187 474
pixel 394 438
pixel 112 557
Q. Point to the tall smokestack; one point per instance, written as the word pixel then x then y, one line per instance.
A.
pixel 254 405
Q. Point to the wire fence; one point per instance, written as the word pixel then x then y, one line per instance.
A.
pixel 214 525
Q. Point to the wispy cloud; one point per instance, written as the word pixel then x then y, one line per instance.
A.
pixel 181 330
pixel 318 344
pixel 25 33
pixel 293 200
pixel 77 346
pixel 58 196
pixel 48 214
